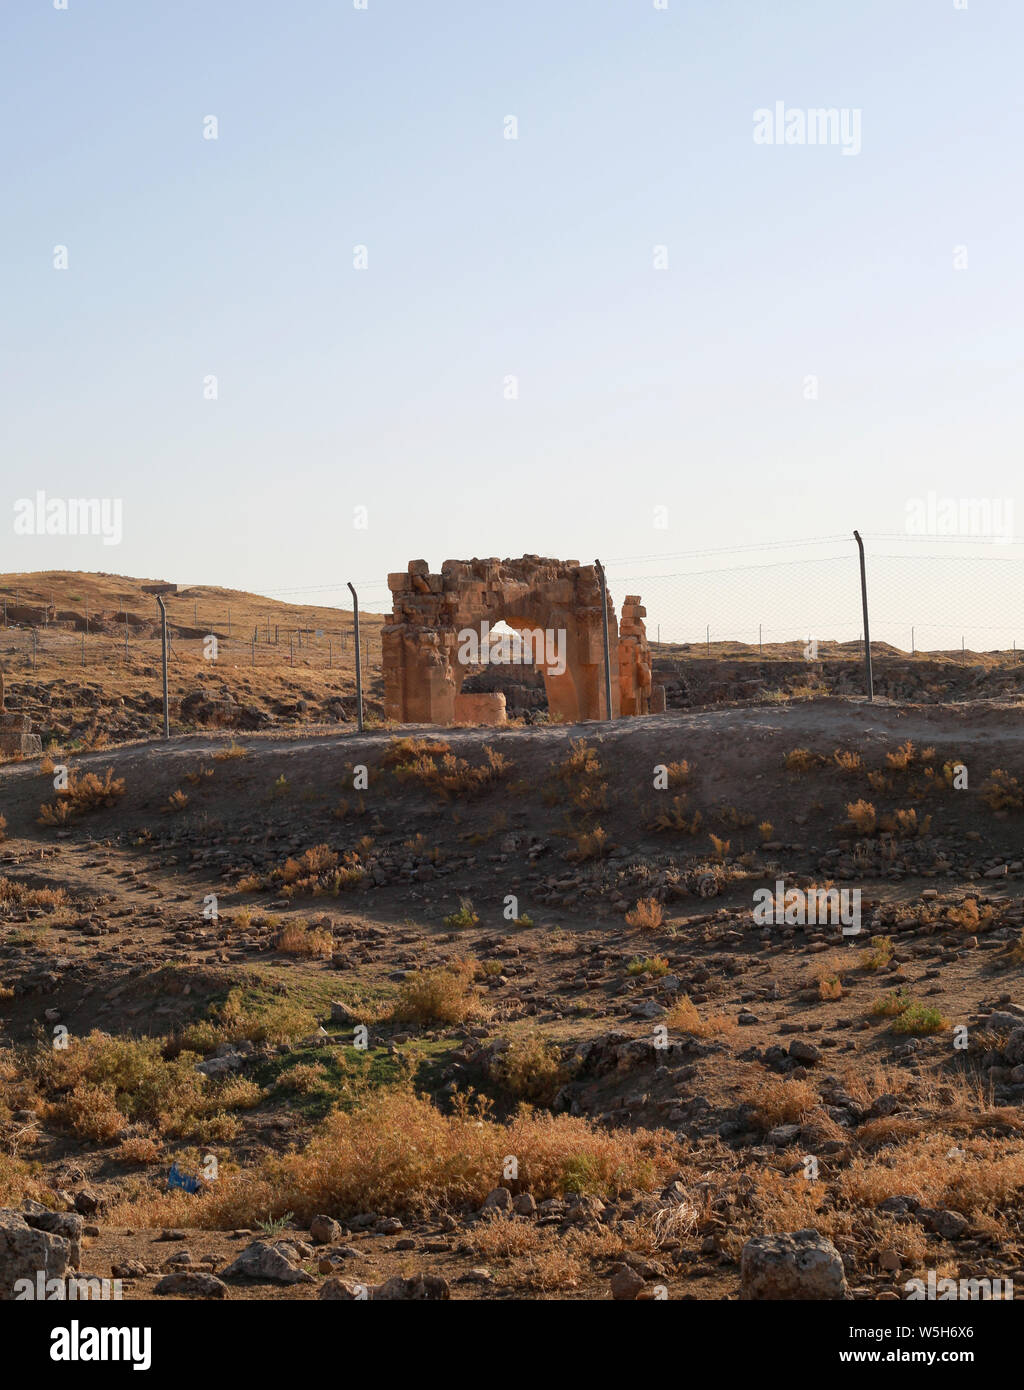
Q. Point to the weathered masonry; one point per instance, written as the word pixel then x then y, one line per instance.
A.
pixel 423 674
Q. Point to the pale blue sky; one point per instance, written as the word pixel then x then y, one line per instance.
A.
pixel 487 257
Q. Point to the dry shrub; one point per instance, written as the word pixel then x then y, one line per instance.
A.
pixel 970 916
pixel 102 1084
pixel 81 795
pixel 505 1237
pixel 437 769
pixel 141 1150
pixel 781 1202
pixel 677 818
pixel 887 1130
pixel 803 760
pixel 548 1271
pixel 590 844
pixel 830 986
pixel 907 826
pixel 439 996
pixel 778 1101
pixel 16 894
pixel 902 759
pixel 298 938
pixel 240 1018
pixel 302 1079
pixel 399 1153
pixel 402 751
pixel 848 762
pixel 877 955
pixel 313 861
pixel 314 873
pixel 863 817
pixel 177 801
pixel 1002 792
pixel 720 848
pixel 908 1015
pixel 90 1112
pixel 18 1181
pixel 231 752
pixel 3 829
pixel 647 915
pixel 678 774
pixel 530 1069
pixel 684 1017
pixel 578 777
pixel 986 1180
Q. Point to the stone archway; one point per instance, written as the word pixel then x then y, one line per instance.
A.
pixel 555 604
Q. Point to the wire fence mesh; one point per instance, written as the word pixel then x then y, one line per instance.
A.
pixel 28 649
pixel 955 606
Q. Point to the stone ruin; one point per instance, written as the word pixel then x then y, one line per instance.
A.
pixel 16 737
pixel 424 670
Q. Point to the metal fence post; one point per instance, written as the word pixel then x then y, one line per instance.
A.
pixel 163 648
pixel 359 664
pixel 607 652
pixel 864 606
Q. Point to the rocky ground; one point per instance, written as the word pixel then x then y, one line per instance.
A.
pixel 343 980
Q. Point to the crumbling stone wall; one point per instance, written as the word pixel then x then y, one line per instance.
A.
pixel 423 673
pixel 16 737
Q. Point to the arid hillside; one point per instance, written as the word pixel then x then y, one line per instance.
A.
pixel 339 979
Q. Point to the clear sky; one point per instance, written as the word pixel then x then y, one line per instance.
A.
pixel 638 388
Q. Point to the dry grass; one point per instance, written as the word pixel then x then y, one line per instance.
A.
pixel 399 1154
pixel 677 774
pixel 684 1017
pixel 298 938
pixel 15 894
pixel 863 817
pixel 231 753
pixel 677 817
pixel 902 759
pixel 140 1150
pixel 82 795
pixel 548 1271
pixel 647 915
pixel 1002 792
pixel 102 1084
pixel 530 1069
pixel 878 955
pixel 803 760
pixel 986 1180
pixel 590 844
pixel 578 778
pixel 432 765
pixel 782 1102
pixel 439 996
pixel 908 1015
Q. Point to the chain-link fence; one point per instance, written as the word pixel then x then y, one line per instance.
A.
pixel 44 648
pixel 727 603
